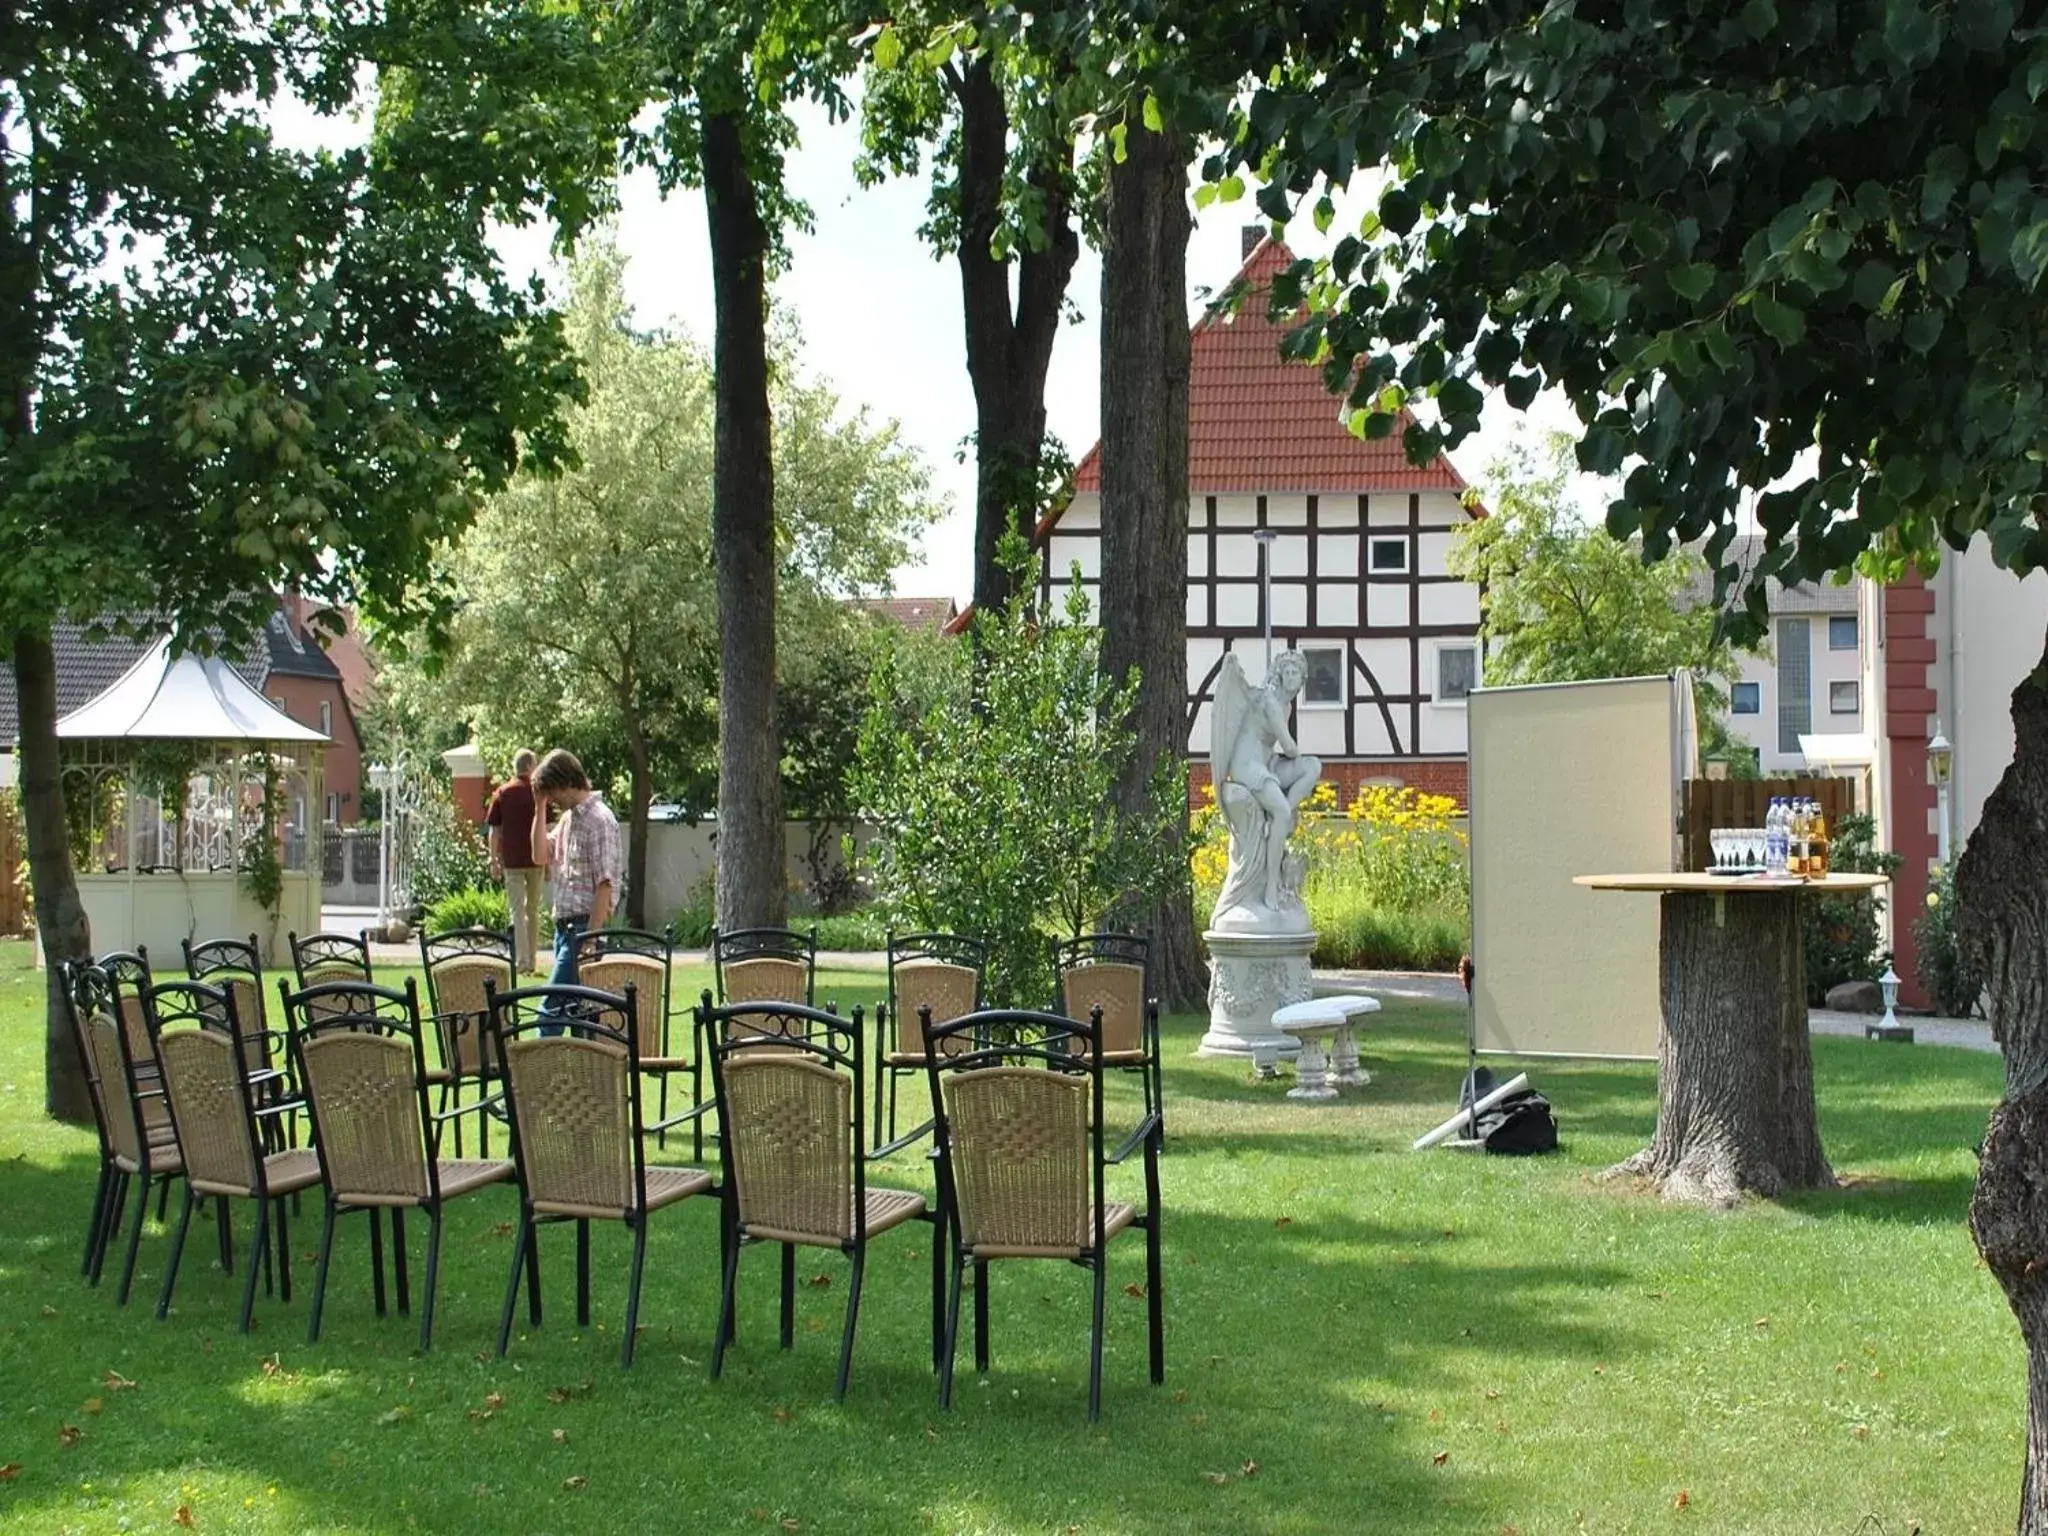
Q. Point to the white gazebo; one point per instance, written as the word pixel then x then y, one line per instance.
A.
pixel 192 804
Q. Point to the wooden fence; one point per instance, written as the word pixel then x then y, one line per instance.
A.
pixel 1712 803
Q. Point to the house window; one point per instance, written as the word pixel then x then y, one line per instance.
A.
pixel 1457 673
pixel 1842 698
pixel 326 718
pixel 1795 682
pixel 1387 557
pixel 1747 699
pixel 277 703
pixel 333 810
pixel 1325 684
pixel 1842 632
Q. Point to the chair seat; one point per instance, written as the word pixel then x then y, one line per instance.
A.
pixel 665 1186
pixel 1126 1058
pixel 460 1175
pixel 886 1208
pixel 1116 1216
pixel 664 1063
pixel 904 1059
pixel 285 1172
pixel 164 1157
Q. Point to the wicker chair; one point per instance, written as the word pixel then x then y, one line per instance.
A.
pixel 236 966
pixel 214 1088
pixel 1022 1167
pixel 133 1145
pixel 939 971
pixel 577 1129
pixel 765 965
pixel 325 957
pixel 1112 971
pixel 130 970
pixel 460 966
pixel 610 959
pixel 362 1057
pixel 794 1153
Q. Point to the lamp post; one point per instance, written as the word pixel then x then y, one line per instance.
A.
pixel 383 779
pixel 1941 757
pixel 1889 1027
pixel 1264 538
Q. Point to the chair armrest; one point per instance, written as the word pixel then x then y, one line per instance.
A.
pixel 281 1107
pixel 489 1101
pixel 892 1148
pixel 650 1127
pixel 1147 1129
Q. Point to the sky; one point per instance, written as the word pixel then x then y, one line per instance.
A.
pixel 879 314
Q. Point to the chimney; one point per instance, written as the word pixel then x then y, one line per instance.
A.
pixel 1252 234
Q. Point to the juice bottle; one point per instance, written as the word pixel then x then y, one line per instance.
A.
pixel 1817 845
pixel 1795 864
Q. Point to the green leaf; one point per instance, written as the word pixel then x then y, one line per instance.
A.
pixel 1230 189
pixel 1691 281
pixel 1399 210
pixel 1946 168
pixel 1759 17
pixel 888 49
pixel 1155 120
pixel 1923 329
pixel 1784 324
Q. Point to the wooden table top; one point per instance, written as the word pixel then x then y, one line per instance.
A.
pixel 1729 885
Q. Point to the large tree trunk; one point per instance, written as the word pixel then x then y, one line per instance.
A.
pixel 1735 1112
pixel 1008 351
pixel 751 889
pixel 1145 496
pixel 641 774
pixel 2002 913
pixel 60 916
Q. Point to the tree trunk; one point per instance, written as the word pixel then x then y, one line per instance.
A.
pixel 60 915
pixel 641 774
pixel 2002 914
pixel 1008 351
pixel 1145 498
pixel 1735 1111
pixel 751 890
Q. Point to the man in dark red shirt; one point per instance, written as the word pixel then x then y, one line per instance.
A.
pixel 510 819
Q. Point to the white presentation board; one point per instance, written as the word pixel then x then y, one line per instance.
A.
pixel 1571 779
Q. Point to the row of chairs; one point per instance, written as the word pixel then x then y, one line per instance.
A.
pixel 1018 1127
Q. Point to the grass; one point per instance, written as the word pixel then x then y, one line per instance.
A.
pixel 1360 1339
pixel 1352 931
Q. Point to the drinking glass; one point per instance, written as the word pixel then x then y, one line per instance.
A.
pixel 1717 839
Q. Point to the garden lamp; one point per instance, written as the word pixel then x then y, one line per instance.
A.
pixel 1941 758
pixel 1889 1027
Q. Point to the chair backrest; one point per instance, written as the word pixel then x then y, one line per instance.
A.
pixel 1118 989
pixel 362 1062
pixel 324 957
pixel 1019 1131
pixel 236 965
pixel 948 991
pixel 776 965
pixel 791 1126
pixel 648 977
pixel 574 1098
pixel 129 971
pixel 460 966
pixel 88 995
pixel 200 1048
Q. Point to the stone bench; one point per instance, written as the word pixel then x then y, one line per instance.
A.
pixel 1335 1019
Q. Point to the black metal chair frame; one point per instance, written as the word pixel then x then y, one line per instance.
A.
pixel 330 951
pixel 593 945
pixel 242 959
pixel 437 950
pixel 840 1049
pixel 1010 1037
pixel 576 1012
pixel 1119 949
pixel 902 949
pixel 766 944
pixel 88 989
pixel 390 1012
pixel 213 1007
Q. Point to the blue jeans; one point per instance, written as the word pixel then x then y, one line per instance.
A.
pixel 567 931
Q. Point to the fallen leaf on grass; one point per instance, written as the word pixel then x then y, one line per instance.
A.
pixel 1683 1501
pixel 1511 1530
pixel 184 1517
pixel 1198 1421
pixel 1439 1458
pixel 1436 1415
pixel 116 1382
pixel 561 1437
pixel 1180 1394
pixel 780 1415
pixel 396 1415
pixel 501 1229
pixel 494 1401
pixel 1283 1221
pixel 820 1282
pixel 560 1395
pixel 789 1524
pixel 1135 1289
pixel 92 1405
pixel 1250 1469
pixel 10 1472
pixel 1861 1431
pixel 68 1435
pixel 575 1484
pixel 1762 1322
pixel 1218 1478
pixel 48 1310
pixel 757 1513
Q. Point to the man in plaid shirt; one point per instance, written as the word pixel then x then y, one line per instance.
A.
pixel 584 854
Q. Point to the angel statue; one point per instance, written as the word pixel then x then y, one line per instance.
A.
pixel 1262 777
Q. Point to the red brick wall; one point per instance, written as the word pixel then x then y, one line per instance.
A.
pixel 1909 701
pixel 301 697
pixel 1429 776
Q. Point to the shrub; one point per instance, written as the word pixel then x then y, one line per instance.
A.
pixel 471 907
pixel 1945 971
pixel 1841 931
pixel 1355 933
pixel 448 854
pixel 866 928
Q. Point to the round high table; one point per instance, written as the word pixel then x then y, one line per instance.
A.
pixel 1734 1064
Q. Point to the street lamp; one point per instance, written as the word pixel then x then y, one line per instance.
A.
pixel 1265 538
pixel 1889 1027
pixel 1941 757
pixel 383 779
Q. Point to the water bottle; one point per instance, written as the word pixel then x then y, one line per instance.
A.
pixel 1777 839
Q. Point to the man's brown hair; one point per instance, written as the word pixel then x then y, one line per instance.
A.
pixel 522 762
pixel 559 770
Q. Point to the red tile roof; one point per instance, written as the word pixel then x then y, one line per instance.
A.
pixel 1257 422
pixel 910 612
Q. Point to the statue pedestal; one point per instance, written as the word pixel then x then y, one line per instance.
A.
pixel 1250 975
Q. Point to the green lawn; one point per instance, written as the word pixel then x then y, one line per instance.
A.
pixel 1360 1339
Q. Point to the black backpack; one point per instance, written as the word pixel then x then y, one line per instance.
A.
pixel 1520 1125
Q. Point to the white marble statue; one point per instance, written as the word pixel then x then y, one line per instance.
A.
pixel 1262 778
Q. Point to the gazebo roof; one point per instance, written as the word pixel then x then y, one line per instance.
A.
pixel 182 698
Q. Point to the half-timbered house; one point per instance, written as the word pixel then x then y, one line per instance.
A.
pixel 1358 541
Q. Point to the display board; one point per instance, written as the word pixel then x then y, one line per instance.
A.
pixel 1571 779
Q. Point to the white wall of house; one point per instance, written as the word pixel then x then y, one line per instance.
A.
pixel 1989 627
pixel 1812 658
